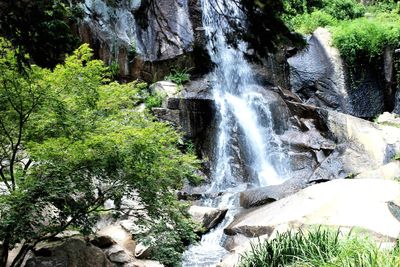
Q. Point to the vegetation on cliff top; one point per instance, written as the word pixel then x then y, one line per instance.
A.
pixel 360 32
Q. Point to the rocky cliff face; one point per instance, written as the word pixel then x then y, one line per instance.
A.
pixel 320 76
pixel 145 38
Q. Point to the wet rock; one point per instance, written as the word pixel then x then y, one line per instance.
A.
pixel 145 41
pixel 117 24
pixel 207 217
pixel 320 77
pixel 190 192
pixel 168 115
pixel 265 195
pixel 67 234
pixel 73 252
pixel 307 140
pixel 397 102
pixel 352 203
pixel 317 73
pixel 273 69
pixel 199 89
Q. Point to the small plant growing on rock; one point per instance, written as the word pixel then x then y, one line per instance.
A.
pixel 178 76
pixel 114 69
pixel 154 101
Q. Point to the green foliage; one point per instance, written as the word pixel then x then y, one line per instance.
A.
pixel 132 52
pixel 343 9
pixel 40 28
pixel 359 39
pixel 178 76
pixel 310 15
pixel 366 38
pixel 169 245
pixel 114 69
pixel 153 101
pixel 290 247
pixel 318 248
pixel 309 22
pixel 71 140
pixel 295 7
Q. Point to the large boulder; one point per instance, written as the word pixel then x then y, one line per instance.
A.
pixel 346 202
pixel 264 195
pixel 207 217
pixel 369 204
pixel 317 73
pixel 164 88
pixel 115 234
pixel 355 145
pixel 118 255
pixel 320 77
pixel 380 142
pixel 390 171
pixel 74 252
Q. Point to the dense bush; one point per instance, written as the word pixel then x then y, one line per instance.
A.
pixel 309 15
pixel 343 9
pixel 309 22
pixel 366 38
pixel 320 248
pixel 359 38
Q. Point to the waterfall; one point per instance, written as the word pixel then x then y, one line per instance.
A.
pixel 237 96
pixel 241 106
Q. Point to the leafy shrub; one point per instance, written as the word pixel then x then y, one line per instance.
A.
pixel 132 51
pixel 114 69
pixel 320 248
pixel 309 22
pixel 343 9
pixel 305 16
pixel 366 38
pixel 153 101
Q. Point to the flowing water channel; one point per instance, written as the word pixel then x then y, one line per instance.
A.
pixel 242 106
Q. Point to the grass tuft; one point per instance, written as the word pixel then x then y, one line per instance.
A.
pixel 319 248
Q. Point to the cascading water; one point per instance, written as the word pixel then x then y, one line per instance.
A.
pixel 241 104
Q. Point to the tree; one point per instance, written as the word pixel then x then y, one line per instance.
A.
pixel 70 140
pixel 44 29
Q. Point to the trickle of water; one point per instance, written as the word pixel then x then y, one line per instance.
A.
pixel 240 103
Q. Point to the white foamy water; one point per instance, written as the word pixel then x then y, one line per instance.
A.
pixel 240 104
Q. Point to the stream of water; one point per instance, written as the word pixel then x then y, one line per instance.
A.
pixel 241 104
